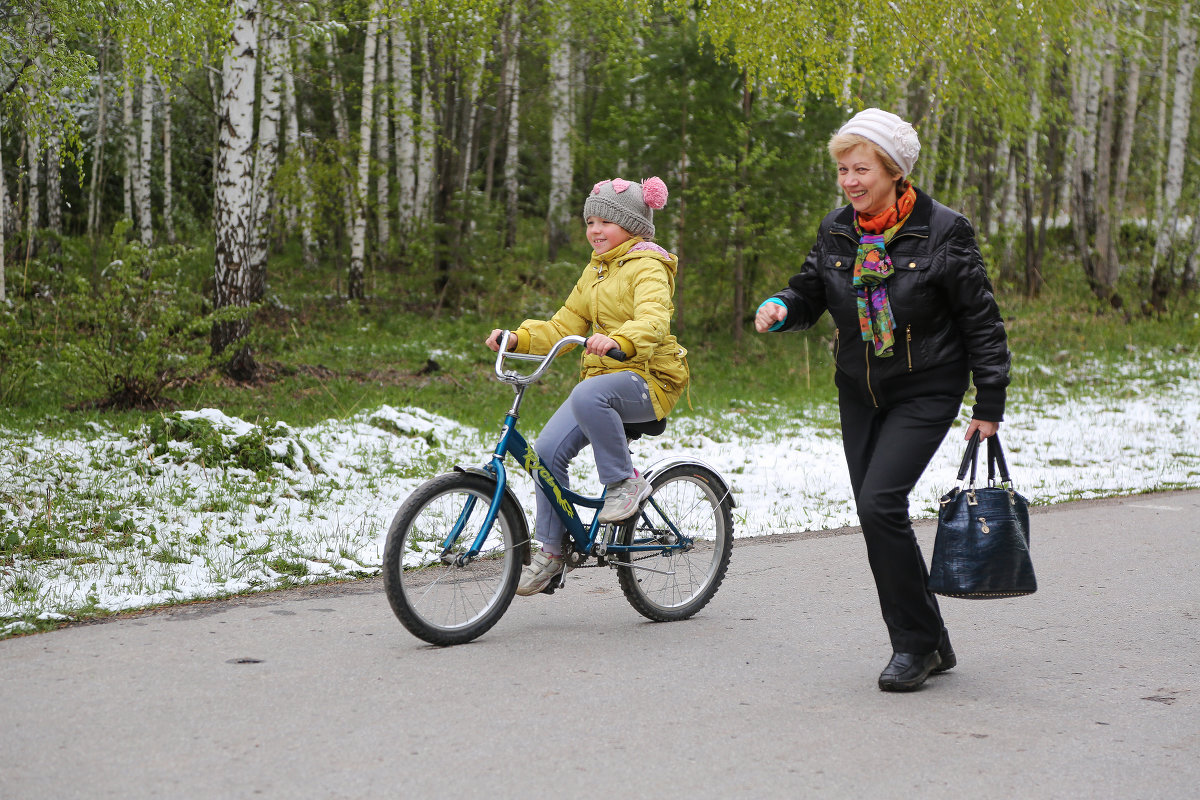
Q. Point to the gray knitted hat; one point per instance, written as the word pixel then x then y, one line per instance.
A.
pixel 630 205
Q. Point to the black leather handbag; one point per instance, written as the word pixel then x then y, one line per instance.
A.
pixel 982 544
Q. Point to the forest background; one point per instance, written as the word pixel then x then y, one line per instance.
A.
pixel 171 171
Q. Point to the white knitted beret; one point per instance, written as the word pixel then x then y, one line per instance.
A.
pixel 894 135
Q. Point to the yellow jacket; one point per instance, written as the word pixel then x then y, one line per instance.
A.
pixel 625 294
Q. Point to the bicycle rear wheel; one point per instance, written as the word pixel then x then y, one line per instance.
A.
pixel 447 603
pixel 674 583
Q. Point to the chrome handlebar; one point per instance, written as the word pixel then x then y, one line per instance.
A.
pixel 514 377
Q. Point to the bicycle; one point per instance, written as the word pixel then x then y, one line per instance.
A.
pixel 455 548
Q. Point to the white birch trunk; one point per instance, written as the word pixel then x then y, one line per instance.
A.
pixel 301 217
pixel 929 170
pixel 1164 93
pixel 561 175
pixel 93 221
pixel 54 186
pixel 33 211
pixel 235 184
pixel 358 234
pixel 1085 107
pixel 266 158
pixel 4 205
pixel 512 144
pixel 470 149
pixel 402 105
pixel 383 155
pixel 1106 259
pixel 131 160
pixel 141 184
pixel 428 130
pixel 1133 78
pixel 1181 111
pixel 998 199
pixel 168 172
pixel 341 123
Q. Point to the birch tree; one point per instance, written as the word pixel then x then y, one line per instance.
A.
pixel 1181 111
pixel 130 139
pixel 141 175
pixel 168 155
pixel 341 122
pixel 426 132
pixel 299 155
pixel 94 195
pixel 559 214
pixel 383 154
pixel 358 235
pixel 266 155
pixel 402 115
pixel 4 205
pixel 234 180
pixel 512 139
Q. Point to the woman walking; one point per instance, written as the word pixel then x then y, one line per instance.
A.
pixel 903 280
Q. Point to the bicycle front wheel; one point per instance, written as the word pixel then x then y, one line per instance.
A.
pixel 688 501
pixel 435 596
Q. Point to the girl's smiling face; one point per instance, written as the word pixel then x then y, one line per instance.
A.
pixel 604 235
pixel 867 184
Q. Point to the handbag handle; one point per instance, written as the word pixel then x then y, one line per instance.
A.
pixel 996 461
pixel 969 458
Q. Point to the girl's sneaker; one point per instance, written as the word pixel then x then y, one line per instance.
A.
pixel 537 575
pixel 624 498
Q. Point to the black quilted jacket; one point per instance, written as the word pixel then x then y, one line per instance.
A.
pixel 948 327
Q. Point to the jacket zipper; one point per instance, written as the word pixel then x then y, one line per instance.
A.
pixel 908 344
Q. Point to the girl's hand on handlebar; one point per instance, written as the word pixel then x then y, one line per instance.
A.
pixel 493 341
pixel 598 344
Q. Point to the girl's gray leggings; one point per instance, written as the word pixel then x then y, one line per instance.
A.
pixel 595 413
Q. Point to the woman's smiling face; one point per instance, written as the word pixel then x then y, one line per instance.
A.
pixel 867 184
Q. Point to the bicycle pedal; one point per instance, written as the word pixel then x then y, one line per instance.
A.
pixel 550 587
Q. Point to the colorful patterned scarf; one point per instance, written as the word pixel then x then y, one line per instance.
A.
pixel 872 268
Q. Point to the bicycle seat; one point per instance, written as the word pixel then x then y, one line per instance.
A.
pixel 636 430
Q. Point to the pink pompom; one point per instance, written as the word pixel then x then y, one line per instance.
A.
pixel 620 185
pixel 654 192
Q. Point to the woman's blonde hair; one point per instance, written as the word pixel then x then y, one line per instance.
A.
pixel 842 143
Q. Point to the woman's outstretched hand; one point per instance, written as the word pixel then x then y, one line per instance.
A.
pixel 768 314
pixel 986 429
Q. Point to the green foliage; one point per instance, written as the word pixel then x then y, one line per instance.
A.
pixel 16 359
pixel 140 328
pixel 259 449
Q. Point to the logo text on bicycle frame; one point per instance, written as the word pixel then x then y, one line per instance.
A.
pixel 532 465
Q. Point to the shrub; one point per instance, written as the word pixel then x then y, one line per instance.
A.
pixel 141 329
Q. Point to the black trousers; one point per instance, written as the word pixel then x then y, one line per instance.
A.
pixel 887 449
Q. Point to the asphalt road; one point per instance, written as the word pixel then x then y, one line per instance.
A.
pixel 1088 689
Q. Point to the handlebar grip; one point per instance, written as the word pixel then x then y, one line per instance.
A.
pixel 616 354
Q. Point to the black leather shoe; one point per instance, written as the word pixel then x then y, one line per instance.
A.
pixel 947 654
pixel 907 671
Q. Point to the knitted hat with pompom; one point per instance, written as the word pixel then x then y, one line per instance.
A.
pixel 630 205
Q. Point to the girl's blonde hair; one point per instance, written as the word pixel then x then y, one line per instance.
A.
pixel 842 143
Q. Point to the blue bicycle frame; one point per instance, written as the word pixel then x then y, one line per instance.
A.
pixel 565 502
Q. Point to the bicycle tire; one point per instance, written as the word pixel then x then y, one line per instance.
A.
pixel 447 604
pixel 694 498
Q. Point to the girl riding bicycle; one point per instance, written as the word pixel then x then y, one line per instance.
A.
pixel 624 299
